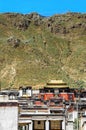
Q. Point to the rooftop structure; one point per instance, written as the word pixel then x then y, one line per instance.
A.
pixel 57 84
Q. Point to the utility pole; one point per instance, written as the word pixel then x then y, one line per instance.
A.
pixel 77 116
pixel 79 100
pixel 0 85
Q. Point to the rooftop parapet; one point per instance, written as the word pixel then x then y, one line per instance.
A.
pixel 4 98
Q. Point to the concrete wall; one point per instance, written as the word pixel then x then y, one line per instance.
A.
pixel 83 123
pixel 29 92
pixel 84 126
pixel 72 116
pixel 8 116
pixel 20 93
pixel 4 98
pixel 69 126
pixel 75 115
pixel 35 91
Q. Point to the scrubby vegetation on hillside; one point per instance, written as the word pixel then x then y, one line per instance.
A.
pixel 35 49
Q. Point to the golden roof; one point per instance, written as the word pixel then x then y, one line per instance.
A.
pixel 57 82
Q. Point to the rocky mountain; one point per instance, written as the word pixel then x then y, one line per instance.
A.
pixel 35 49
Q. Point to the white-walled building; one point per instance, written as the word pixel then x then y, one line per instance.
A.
pixel 8 113
pixel 25 91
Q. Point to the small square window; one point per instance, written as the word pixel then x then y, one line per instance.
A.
pixel 39 122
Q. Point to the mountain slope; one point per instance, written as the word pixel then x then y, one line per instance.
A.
pixel 35 49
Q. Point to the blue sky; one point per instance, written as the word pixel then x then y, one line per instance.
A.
pixel 43 7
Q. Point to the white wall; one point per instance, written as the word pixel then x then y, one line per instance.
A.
pixel 85 126
pixel 20 93
pixel 4 98
pixel 69 126
pixel 8 118
pixel 35 91
pixel 82 123
pixel 29 92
